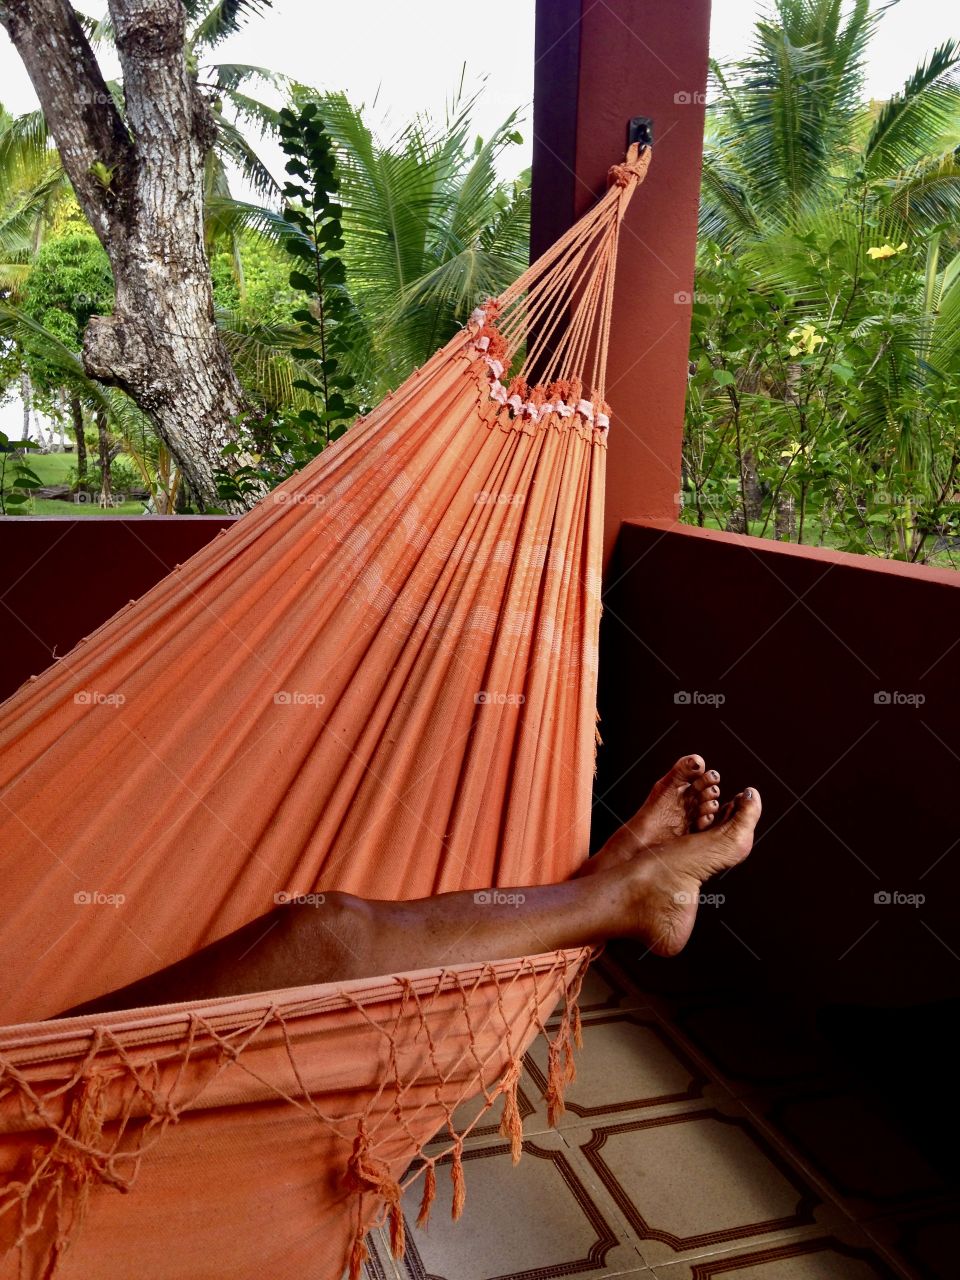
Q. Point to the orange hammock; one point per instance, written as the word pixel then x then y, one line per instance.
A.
pixel 381 680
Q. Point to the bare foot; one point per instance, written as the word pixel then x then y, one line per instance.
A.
pixel 685 799
pixel 663 883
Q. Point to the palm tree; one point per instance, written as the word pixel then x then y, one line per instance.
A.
pixel 841 218
pixel 789 133
pixel 430 229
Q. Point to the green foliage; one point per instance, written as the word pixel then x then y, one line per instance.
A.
pixel 31 184
pixel 69 282
pixel 429 231
pixel 322 321
pixel 825 347
pixel 17 478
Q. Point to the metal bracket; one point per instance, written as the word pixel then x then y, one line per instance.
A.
pixel 640 130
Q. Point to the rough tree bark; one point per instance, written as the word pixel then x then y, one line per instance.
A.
pixel 103 450
pixel 76 413
pixel 139 180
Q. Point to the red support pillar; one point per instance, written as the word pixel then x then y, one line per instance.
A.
pixel 599 63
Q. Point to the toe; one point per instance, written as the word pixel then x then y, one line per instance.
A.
pixel 710 778
pixel 742 815
pixel 686 770
pixel 705 820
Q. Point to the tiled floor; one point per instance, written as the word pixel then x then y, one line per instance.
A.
pixel 700 1140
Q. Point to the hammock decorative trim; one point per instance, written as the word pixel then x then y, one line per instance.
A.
pixel 381 680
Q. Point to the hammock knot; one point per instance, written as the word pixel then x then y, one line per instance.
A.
pixel 633 169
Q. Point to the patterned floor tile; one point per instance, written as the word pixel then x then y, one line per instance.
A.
pixel 529 1222
pixel 629 1062
pixel 816 1257
pixel 693 1183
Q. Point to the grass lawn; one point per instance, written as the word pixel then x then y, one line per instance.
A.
pixel 815 536
pixel 55 468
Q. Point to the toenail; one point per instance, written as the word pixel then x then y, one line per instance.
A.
pixel 713 791
pixel 748 794
pixel 713 774
pixel 693 762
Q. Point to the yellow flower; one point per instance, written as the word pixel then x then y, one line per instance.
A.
pixel 885 250
pixel 806 339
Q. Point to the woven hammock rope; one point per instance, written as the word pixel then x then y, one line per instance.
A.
pixel 381 680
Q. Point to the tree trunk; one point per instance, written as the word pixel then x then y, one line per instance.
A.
pixel 26 400
pixel 785 519
pixel 103 441
pixel 140 184
pixel 76 412
pixel 751 486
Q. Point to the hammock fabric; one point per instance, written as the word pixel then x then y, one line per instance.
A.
pixel 381 680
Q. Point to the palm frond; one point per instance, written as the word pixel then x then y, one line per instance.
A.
pixel 915 121
pixel 232 145
pixel 222 19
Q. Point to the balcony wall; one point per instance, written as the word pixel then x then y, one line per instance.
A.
pixel 828 681
pixel 62 576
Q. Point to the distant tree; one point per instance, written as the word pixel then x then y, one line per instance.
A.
pixel 69 284
pixel 138 165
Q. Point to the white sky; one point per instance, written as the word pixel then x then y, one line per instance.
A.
pixel 412 53
pixel 409 57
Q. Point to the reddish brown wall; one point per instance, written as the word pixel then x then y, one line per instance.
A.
pixel 859 797
pixel 62 577
pixel 597 66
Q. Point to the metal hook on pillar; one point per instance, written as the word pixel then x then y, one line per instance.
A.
pixel 640 131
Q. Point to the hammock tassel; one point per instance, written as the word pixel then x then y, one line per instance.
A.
pixel 555 1083
pixel 562 1069
pixel 398 1233
pixel 511 1125
pixel 457 1178
pixel 358 1255
pixel 365 1174
pixel 429 1195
